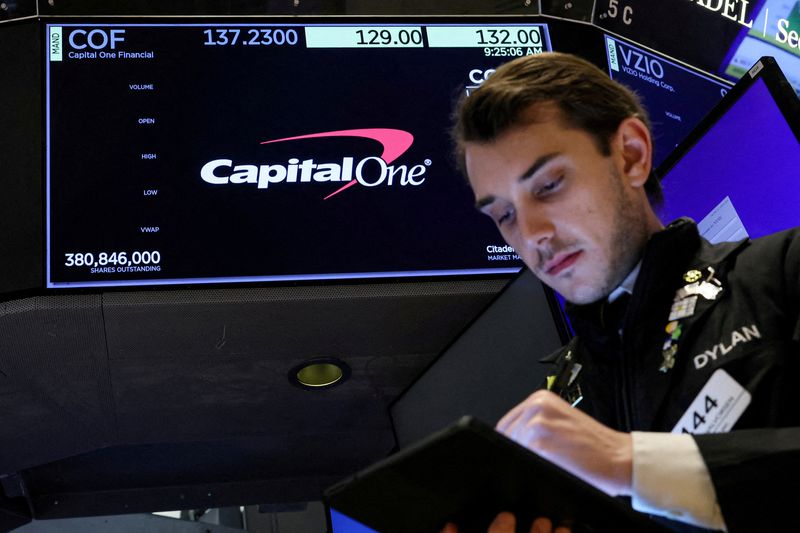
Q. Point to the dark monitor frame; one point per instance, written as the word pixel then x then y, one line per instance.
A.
pixel 26 273
pixel 556 312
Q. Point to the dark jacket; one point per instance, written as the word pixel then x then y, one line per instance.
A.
pixel 750 329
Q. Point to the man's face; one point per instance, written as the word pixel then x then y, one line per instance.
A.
pixel 576 217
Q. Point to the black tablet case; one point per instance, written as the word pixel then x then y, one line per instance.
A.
pixel 466 474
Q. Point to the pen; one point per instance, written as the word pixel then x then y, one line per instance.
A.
pixel 561 383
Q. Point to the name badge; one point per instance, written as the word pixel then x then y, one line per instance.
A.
pixel 717 408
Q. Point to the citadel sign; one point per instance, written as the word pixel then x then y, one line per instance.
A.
pixel 734 10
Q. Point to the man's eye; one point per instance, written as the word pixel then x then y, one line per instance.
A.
pixel 504 217
pixel 550 186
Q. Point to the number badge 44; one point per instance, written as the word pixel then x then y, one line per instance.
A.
pixel 717 408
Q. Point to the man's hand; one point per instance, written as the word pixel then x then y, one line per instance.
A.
pixel 507 523
pixel 573 440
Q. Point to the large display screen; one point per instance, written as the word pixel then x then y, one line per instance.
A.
pixel 193 153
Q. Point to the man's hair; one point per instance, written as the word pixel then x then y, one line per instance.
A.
pixel 588 100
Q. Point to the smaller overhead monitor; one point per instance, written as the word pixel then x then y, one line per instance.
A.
pixel 736 173
pixel 772 32
pixel 675 96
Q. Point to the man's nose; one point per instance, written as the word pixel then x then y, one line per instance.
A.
pixel 536 229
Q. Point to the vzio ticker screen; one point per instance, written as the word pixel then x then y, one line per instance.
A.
pixel 194 153
pixel 675 96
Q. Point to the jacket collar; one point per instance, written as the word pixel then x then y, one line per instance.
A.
pixel 667 257
pixel 664 258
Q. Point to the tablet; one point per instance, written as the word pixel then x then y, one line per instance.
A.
pixel 466 474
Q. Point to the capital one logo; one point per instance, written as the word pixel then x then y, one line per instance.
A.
pixel 373 171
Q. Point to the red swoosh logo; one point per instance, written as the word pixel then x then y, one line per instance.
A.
pixel 394 142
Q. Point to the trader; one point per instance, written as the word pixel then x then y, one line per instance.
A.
pixel 678 341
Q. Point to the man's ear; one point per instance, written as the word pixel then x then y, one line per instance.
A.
pixel 636 150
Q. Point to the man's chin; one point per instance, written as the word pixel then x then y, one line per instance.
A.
pixel 572 288
pixel 582 295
